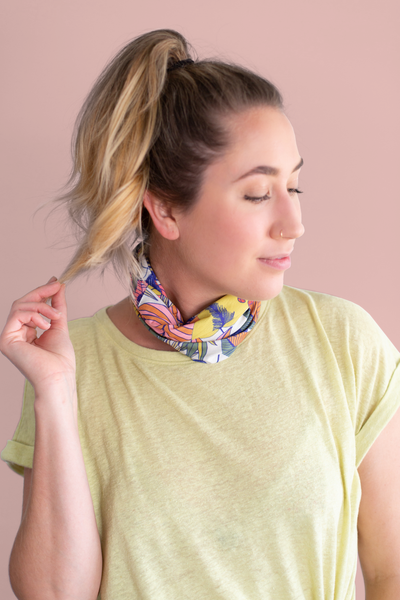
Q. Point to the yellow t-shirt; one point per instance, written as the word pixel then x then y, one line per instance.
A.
pixel 236 480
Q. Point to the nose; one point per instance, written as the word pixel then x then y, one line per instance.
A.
pixel 287 223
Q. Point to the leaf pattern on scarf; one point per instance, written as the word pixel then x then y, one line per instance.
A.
pixel 220 315
pixel 227 347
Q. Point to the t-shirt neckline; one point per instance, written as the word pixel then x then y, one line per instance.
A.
pixel 159 355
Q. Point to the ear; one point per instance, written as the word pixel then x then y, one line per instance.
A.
pixel 162 216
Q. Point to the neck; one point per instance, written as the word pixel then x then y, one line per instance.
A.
pixel 179 286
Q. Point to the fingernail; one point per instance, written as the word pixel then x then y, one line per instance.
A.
pixel 52 279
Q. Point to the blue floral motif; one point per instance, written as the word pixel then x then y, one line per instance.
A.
pixel 152 280
pixel 220 315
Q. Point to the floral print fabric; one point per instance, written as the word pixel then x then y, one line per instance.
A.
pixel 210 336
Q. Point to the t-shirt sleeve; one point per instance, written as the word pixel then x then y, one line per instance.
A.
pixel 378 416
pixel 376 366
pixel 18 452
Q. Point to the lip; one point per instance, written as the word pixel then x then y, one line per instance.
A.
pixel 276 257
pixel 280 261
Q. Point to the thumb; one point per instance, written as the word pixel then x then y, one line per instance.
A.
pixel 58 301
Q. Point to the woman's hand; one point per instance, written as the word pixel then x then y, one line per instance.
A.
pixel 50 358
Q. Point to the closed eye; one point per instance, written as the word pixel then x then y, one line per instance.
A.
pixel 257 199
pixel 266 197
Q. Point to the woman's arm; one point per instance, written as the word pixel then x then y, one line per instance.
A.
pixel 57 553
pixel 379 515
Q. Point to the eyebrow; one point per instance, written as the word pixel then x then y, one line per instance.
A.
pixel 265 170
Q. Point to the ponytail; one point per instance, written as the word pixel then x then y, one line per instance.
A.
pixel 115 130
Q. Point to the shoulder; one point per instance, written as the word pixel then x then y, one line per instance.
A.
pixel 96 352
pixel 89 335
pixel 320 301
pixel 325 307
pixel 82 328
pixel 343 322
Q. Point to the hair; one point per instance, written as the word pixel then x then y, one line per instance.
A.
pixel 145 126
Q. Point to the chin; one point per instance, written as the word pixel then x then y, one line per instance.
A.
pixel 265 293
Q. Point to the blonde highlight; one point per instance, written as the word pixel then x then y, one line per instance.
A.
pixel 115 130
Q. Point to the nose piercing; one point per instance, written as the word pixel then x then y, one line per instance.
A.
pixel 281 234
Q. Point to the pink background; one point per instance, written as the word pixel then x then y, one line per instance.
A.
pixel 336 63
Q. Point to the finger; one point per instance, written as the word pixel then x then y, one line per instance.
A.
pixel 31 335
pixel 51 280
pixel 28 319
pixel 20 328
pixel 25 313
pixel 45 309
pixel 41 293
pixel 59 303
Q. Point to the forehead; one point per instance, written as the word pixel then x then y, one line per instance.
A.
pixel 264 129
pixel 258 136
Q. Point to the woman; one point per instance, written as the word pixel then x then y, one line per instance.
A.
pixel 210 435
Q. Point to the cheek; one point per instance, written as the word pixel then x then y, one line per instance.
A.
pixel 219 231
pixel 228 231
pixel 242 228
pixel 235 237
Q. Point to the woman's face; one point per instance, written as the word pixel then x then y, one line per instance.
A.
pixel 230 241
